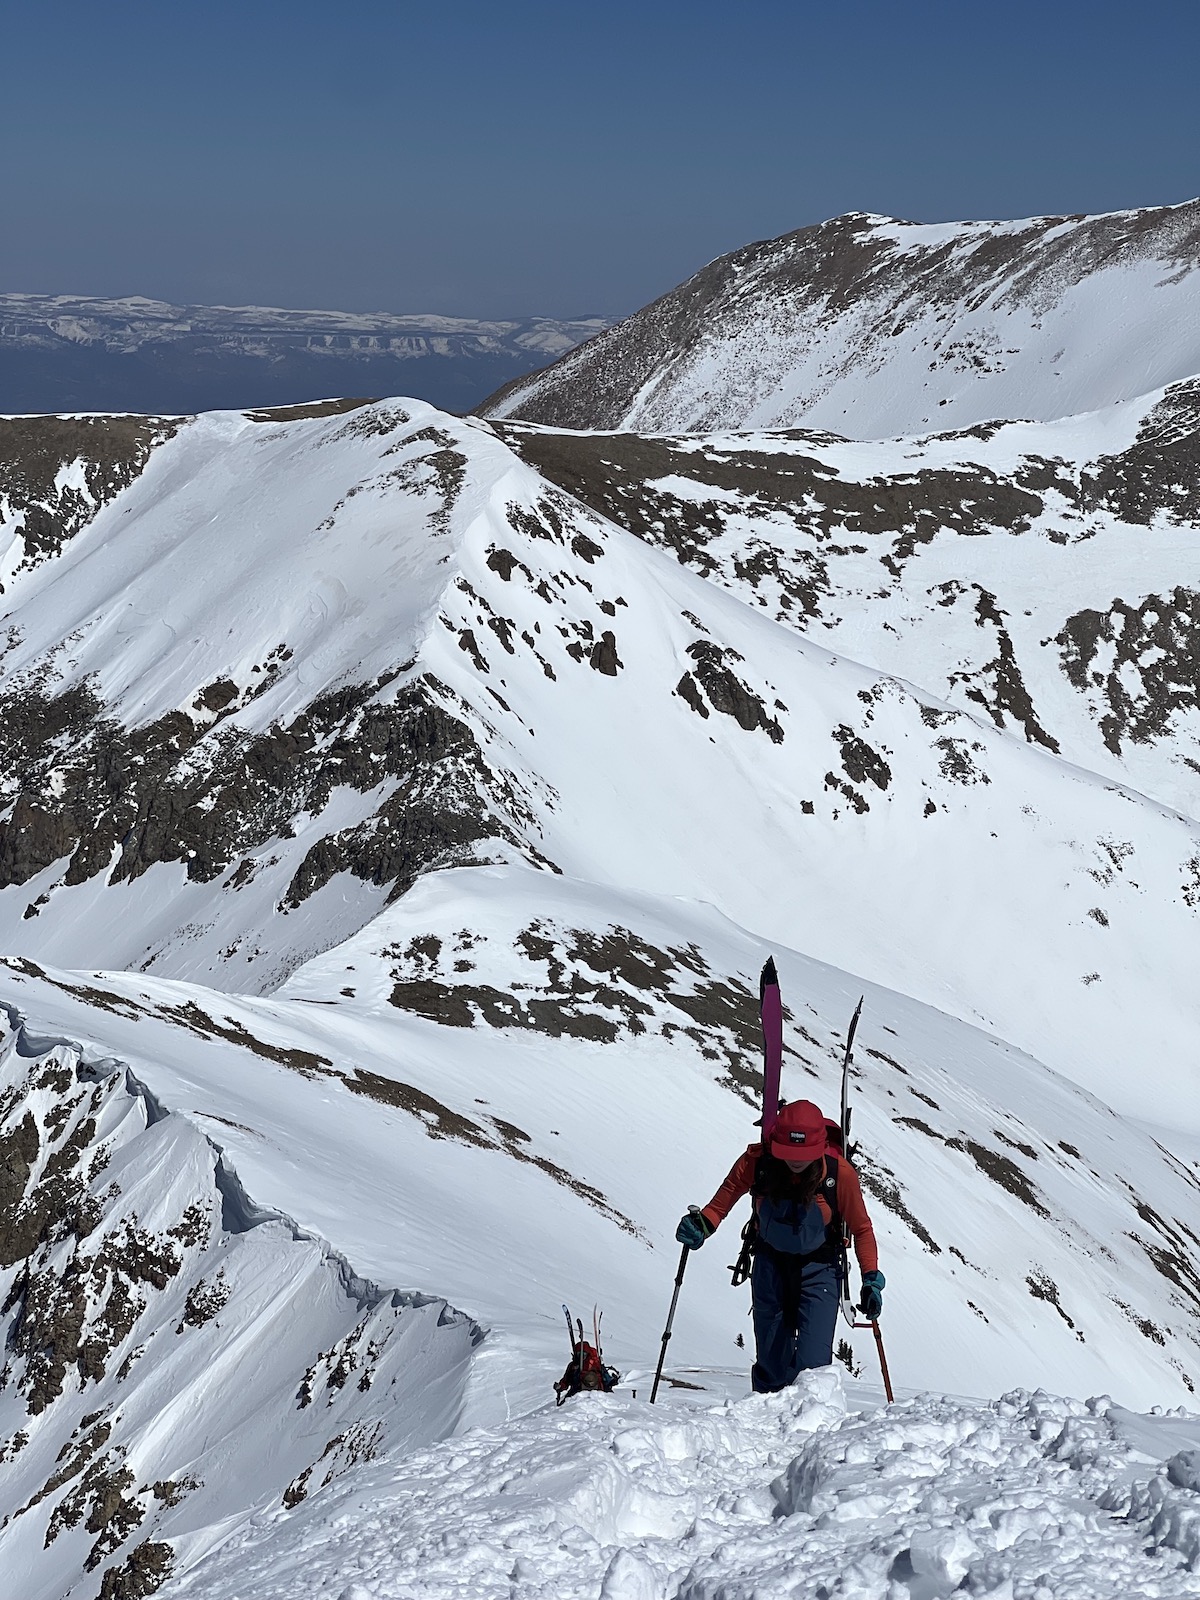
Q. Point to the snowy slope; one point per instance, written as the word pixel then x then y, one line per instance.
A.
pixel 228 743
pixel 399 824
pixel 587 1077
pixel 1041 575
pixel 873 327
pixel 593 1070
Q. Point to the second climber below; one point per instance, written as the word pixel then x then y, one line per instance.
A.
pixel 804 1193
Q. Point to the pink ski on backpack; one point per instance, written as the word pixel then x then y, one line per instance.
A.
pixel 771 1010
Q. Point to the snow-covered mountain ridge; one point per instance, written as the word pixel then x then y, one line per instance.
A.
pixel 182 1342
pixel 873 327
pixel 1039 574
pixel 408 803
pixel 295 737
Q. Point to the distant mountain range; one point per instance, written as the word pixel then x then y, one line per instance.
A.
pixel 875 328
pixel 85 353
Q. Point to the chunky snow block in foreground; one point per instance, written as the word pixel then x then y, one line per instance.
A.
pixel 784 1497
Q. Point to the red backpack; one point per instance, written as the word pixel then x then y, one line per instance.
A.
pixel 586 1368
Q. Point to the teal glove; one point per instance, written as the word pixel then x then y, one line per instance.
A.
pixel 694 1227
pixel 870 1301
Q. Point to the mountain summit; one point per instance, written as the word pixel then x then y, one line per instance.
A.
pixel 872 327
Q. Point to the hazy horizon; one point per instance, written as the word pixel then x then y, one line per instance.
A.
pixel 549 161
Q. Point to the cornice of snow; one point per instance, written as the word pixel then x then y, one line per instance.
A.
pixel 177 1356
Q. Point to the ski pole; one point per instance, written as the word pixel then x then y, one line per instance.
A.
pixel 662 1355
pixel 883 1366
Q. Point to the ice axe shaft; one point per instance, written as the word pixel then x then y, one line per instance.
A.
pixel 883 1366
pixel 662 1355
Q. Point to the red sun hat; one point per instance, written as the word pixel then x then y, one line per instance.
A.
pixel 799 1133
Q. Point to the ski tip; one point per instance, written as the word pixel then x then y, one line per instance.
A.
pixel 768 976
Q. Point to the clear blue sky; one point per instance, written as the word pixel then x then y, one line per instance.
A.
pixel 502 159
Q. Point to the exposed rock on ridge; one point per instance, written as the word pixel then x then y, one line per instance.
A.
pixel 876 327
pixel 135 1275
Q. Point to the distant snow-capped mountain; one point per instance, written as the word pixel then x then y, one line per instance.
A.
pixel 88 353
pixel 873 327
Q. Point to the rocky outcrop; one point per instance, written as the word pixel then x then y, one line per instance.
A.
pixel 878 327
pixel 137 1280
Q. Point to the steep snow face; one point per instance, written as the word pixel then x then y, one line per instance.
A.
pixel 1037 574
pixel 394 648
pixel 176 1357
pixel 873 328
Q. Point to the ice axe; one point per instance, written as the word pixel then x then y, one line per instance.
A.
pixel 662 1354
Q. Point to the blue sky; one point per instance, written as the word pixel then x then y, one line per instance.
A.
pixel 508 159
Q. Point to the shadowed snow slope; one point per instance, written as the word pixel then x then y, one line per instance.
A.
pixel 874 327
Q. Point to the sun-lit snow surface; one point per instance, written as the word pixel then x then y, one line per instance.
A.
pixel 825 805
pixel 873 327
pixel 175 1355
pixel 811 1493
pixel 503 1084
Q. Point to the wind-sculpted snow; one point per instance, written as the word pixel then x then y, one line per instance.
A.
pixel 812 1493
pixel 875 327
pixel 175 1356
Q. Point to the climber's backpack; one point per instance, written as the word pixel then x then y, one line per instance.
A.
pixel 585 1370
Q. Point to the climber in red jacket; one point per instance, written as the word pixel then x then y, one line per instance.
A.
pixel 804 1194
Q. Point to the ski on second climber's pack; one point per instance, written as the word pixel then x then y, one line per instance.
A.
pixel 848 1311
pixel 771 1011
pixel 846 1060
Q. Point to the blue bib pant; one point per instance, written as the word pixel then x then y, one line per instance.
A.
pixel 795 1313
